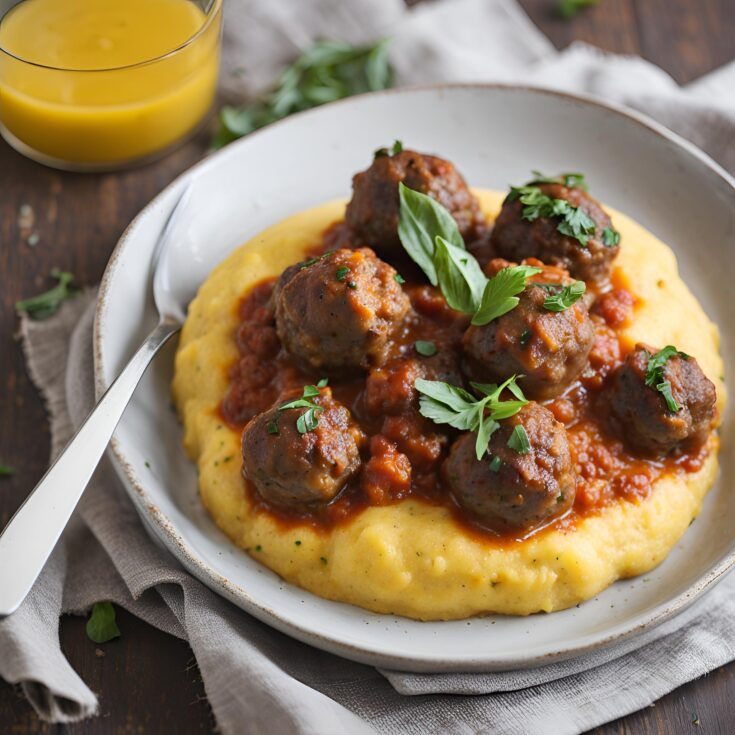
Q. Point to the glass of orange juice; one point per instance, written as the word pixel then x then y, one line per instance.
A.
pixel 97 85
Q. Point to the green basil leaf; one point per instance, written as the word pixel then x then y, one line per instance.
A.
pixel 499 296
pixel 460 277
pixel 101 625
pixel 421 221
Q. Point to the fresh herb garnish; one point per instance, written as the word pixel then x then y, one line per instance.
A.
pixel 382 152
pixel 421 221
pixel 570 180
pixel 655 374
pixel 500 294
pixel 399 278
pixel 460 277
pixel 341 273
pixel 574 222
pixel 610 237
pixel 46 304
pixel 327 71
pixel 526 335
pixel 569 8
pixel 272 427
pixel 444 403
pixel 309 420
pixel 518 440
pixel 311 261
pixel 322 383
pixel 6 470
pixel 565 296
pixel 425 347
pixel 101 626
pixel 495 463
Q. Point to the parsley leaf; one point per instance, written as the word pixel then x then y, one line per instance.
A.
pixel 500 294
pixel 570 180
pixel 397 148
pixel 444 403
pixel 655 374
pixel 6 470
pixel 518 440
pixel 460 277
pixel 569 8
pixel 495 464
pixel 46 304
pixel 425 347
pixel 101 626
pixel 421 221
pixel 327 71
pixel 575 222
pixel 309 420
pixel 341 273
pixel 610 237
pixel 565 297
pixel 399 278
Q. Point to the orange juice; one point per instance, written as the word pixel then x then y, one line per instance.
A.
pixel 102 83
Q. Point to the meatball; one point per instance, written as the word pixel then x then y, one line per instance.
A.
pixel 372 213
pixel 339 311
pixel 516 238
pixel 507 490
pixel 639 413
pixel 548 348
pixel 289 468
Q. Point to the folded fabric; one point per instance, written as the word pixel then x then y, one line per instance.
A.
pixel 256 678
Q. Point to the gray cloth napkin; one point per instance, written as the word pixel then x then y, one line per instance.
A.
pixel 257 679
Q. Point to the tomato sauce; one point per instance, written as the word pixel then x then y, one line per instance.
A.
pixel 405 451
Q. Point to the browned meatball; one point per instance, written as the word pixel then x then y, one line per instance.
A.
pixel 339 311
pixel 639 413
pixel 372 213
pixel 516 238
pixel 509 490
pixel 289 468
pixel 548 348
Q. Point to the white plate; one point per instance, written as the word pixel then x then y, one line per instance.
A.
pixel 495 135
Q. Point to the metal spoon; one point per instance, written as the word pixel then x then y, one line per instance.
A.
pixel 29 538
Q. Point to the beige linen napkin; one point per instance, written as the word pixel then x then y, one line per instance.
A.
pixel 257 679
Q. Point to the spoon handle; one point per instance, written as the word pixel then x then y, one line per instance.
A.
pixel 29 538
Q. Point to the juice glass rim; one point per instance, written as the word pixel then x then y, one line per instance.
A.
pixel 213 11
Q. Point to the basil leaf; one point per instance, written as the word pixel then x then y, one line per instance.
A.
pixel 460 277
pixel 495 464
pixel 518 440
pixel 322 383
pixel 567 297
pixel 500 292
pixel 421 221
pixel 101 625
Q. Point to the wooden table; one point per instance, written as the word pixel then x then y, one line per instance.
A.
pixel 148 681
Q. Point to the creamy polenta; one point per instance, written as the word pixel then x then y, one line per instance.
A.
pixel 411 558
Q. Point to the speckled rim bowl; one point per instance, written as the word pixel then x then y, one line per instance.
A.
pixel 495 134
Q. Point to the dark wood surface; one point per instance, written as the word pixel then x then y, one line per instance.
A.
pixel 148 681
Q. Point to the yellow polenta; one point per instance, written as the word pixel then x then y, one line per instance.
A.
pixel 411 558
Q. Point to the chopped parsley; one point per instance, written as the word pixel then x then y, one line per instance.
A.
pixel 518 440
pixel 311 261
pixel 444 403
pixel 6 470
pixel 655 374
pixel 395 149
pixel 425 347
pixel 610 237
pixel 574 221
pixel 309 420
pixel 500 294
pixel 46 304
pixel 341 273
pixel 570 180
pixel 495 464
pixel 399 278
pixel 272 427
pixel 565 297
pixel 101 625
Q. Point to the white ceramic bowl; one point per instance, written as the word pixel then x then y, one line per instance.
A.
pixel 495 135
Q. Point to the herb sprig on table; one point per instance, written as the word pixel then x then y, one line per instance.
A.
pixel 101 625
pixel 329 70
pixel 46 304
pixel 655 374
pixel 432 239
pixel 568 9
pixel 444 403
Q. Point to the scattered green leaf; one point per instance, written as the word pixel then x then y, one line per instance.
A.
pixel 101 625
pixel 500 294
pixel 460 277
pixel 396 148
pixel 6 470
pixel 399 278
pixel 327 71
pixel 570 180
pixel 655 374
pixel 309 420
pixel 518 440
pixel 272 427
pixel 342 272
pixel 568 9
pixel 565 297
pixel 495 465
pixel 46 304
pixel 610 237
pixel 425 347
